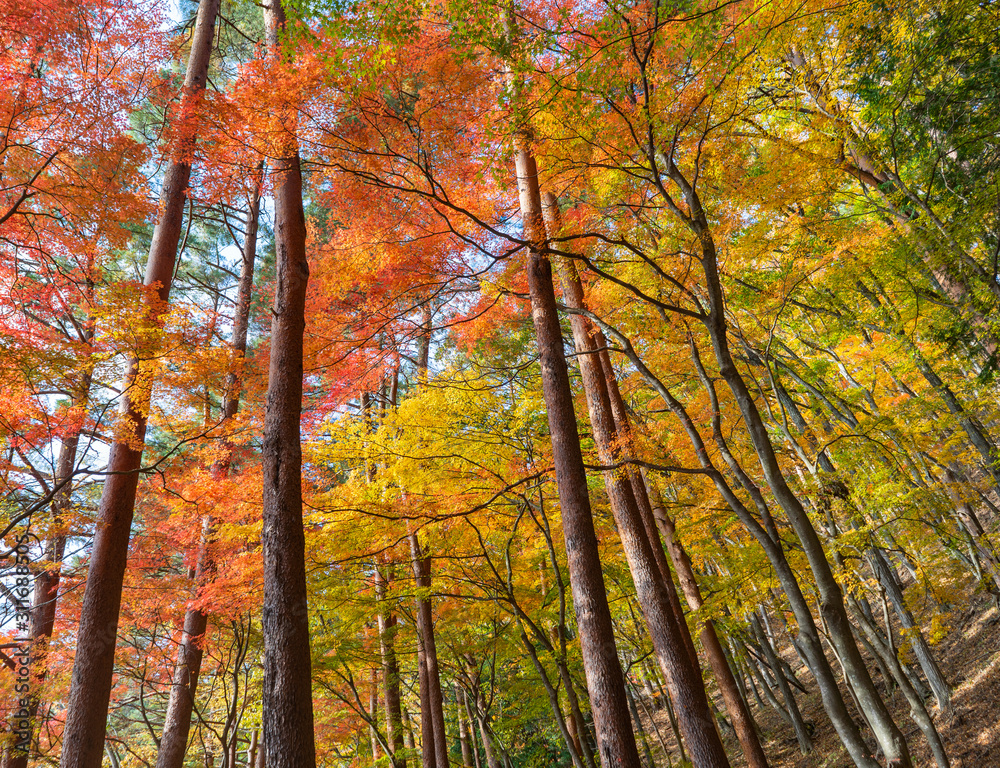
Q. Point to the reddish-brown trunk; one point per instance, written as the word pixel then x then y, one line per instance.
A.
pixel 735 704
pixel 287 695
pixel 427 754
pixel 93 667
pixel 605 682
pixel 425 626
pixel 177 724
pixel 624 438
pixel 390 670
pixel 649 574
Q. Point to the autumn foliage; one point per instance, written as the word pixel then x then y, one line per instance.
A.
pixel 771 233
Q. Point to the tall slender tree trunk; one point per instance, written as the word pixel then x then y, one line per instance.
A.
pixel 485 733
pixel 650 761
pixel 177 724
pixel 373 710
pixel 592 346
pixel 678 660
pixel 289 741
pixel 831 599
pixel 425 626
pixel 93 667
pixel 918 710
pixel 791 705
pixel 605 682
pixel 252 749
pixel 553 695
pixel 434 739
pixel 408 730
pixel 625 438
pixel 736 706
pixel 808 638
pixel 918 643
pixel 473 739
pixel 602 668
pixel 463 728
pixel 45 595
pixel 428 755
pixel 390 668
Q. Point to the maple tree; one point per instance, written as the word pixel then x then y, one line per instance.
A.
pixel 628 394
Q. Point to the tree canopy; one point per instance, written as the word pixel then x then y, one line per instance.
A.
pixel 521 383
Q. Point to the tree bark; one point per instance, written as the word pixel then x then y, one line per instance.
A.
pixel 791 706
pixel 177 724
pixel 373 711
pixel 45 595
pixel 408 730
pixel 287 695
pixel 650 574
pixel 425 626
pixel 918 710
pixel 390 670
pixel 605 682
pixel 428 755
pixel 808 638
pixel 918 643
pixel 623 428
pixel 602 668
pixel 252 749
pixel 831 598
pixel 473 739
pixel 484 730
pixel 736 706
pixel 463 729
pixel 571 745
pixel 93 667
pixel 638 726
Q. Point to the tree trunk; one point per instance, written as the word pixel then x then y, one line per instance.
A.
pixel 918 710
pixel 45 595
pixel 473 739
pixel 605 682
pixel 918 643
pixel 428 755
pixel 390 670
pixel 792 707
pixel 808 639
pixel 463 729
pixel 287 695
pixel 484 731
pixel 373 711
pixel 93 667
pixel 425 626
pixel 831 598
pixel 177 724
pixel 735 703
pixel 571 745
pixel 624 429
pixel 638 726
pixel 252 749
pixel 408 730
pixel 648 574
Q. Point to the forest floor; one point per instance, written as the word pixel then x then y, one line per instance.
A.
pixel 969 656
